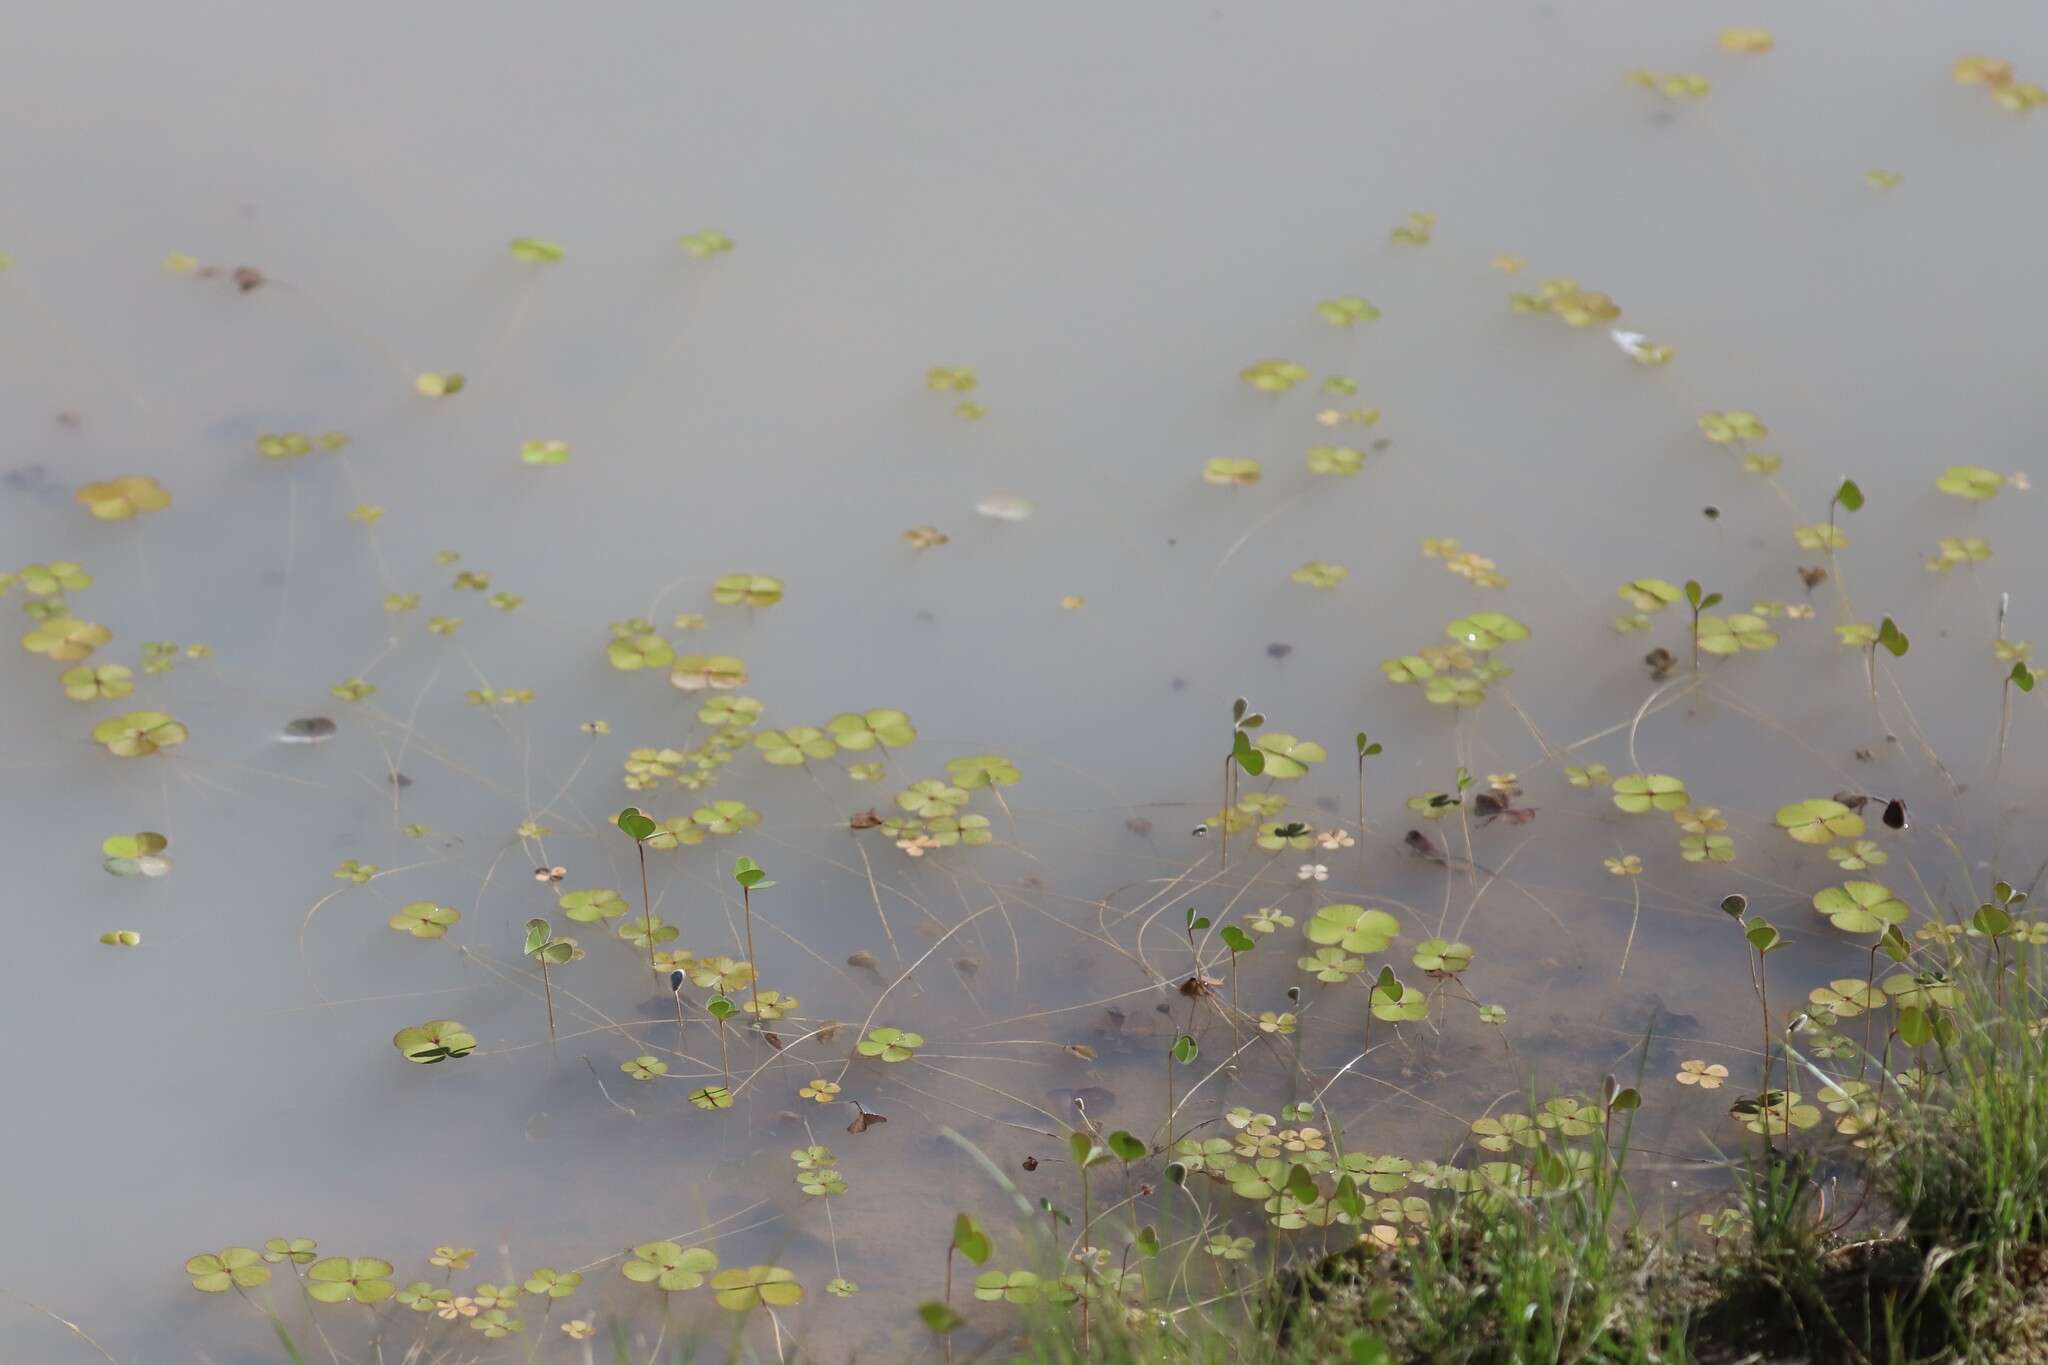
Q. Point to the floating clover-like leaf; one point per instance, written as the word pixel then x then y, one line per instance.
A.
pixel 138 733
pixel 1954 550
pixel 544 452
pixel 1408 668
pixel 297 1250
pixel 109 681
pixel 345 1279
pixel 1454 689
pixel 982 770
pixel 648 930
pixel 859 731
pixel 644 1068
pixel 1861 907
pixel 1012 1286
pixel 1628 865
pixel 1320 574
pixel 1348 311
pixel 1820 536
pixel 1353 928
pixel 721 973
pixel 890 1044
pixel 1970 481
pixel 1231 473
pixel 1705 1075
pixel 120 499
pixel 1592 775
pixel 1414 230
pixel 552 1283
pixel 57 576
pixel 1819 821
pixel 950 379
pixel 1507 1131
pixel 433 1041
pixel 1739 631
pixel 706 244
pixel 216 1272
pixel 670 1267
pixel 631 653
pixel 1639 792
pixel 589 907
pixel 1726 428
pixel 1750 40
pixel 1486 630
pixel 1708 848
pixel 931 797
pixel 352 871
pixel 1331 964
pixel 1775 1111
pixel 746 590
pixel 436 385
pixel 695 672
pixel 711 1097
pixel 725 817
pixel 1439 957
pixel 741 1290
pixel 1273 376
pixel 730 711
pixel 424 919
pixel 1843 999
pixel 1288 757
pixel 1335 460
pixel 65 639
pixel 788 748
pixel 1859 855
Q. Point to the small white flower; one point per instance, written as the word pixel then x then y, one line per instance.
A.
pixel 1335 839
pixel 1313 872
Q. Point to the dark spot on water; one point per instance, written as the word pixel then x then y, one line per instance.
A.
pixel 1326 803
pixel 1383 443
pixel 926 616
pixel 1138 825
pixel 1711 512
pixel 70 419
pixel 308 730
pixel 28 478
pixel 1278 651
pixel 1178 684
pixel 399 780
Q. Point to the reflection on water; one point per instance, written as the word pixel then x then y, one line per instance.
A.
pixel 1107 254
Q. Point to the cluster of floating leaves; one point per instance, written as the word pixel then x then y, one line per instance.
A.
pixel 1459 675
pixel 2000 81
pixel 1475 568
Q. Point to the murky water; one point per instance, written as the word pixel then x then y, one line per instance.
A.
pixel 1108 215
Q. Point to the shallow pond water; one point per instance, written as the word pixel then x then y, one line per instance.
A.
pixel 1107 215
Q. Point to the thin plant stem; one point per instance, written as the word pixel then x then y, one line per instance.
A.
pixel 754 981
pixel 547 991
pixel 646 903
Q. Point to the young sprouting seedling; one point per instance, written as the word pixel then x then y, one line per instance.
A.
pixel 545 948
pixel 1086 1152
pixel 1762 939
pixel 970 1241
pixel 1237 941
pixel 721 1009
pixel 1183 1051
pixel 749 875
pixel 1243 757
pixel 1367 748
pixel 638 827
pixel 1849 498
pixel 1699 601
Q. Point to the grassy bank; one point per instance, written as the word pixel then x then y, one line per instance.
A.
pixel 1928 1241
